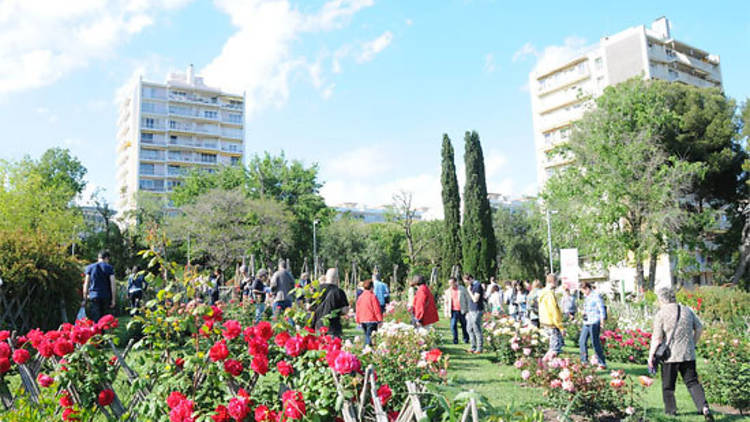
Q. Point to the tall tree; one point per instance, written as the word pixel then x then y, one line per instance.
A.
pixel 520 247
pixel 451 242
pixel 403 213
pixel 478 240
pixel 624 187
pixel 743 261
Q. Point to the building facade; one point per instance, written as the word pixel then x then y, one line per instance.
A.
pixel 561 92
pixel 166 129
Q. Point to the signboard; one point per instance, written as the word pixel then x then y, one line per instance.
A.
pixel 569 268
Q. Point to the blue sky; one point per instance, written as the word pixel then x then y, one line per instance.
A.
pixel 365 88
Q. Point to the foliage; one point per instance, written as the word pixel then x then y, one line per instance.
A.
pixel 623 192
pixel 427 234
pixel 479 248
pixel 520 247
pixel 729 305
pixel 578 389
pixel 226 225
pixel 34 259
pixel 510 341
pixel 727 374
pixel 397 311
pixel 451 242
pixel 626 345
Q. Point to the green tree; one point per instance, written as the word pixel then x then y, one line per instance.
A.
pixel 520 247
pixel 386 248
pixel 427 234
pixel 59 169
pixel 451 242
pixel 343 242
pixel 624 188
pixel 478 240
pixel 743 259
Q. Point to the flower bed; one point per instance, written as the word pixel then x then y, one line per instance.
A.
pixel 629 346
pixel 578 389
pixel 726 374
pixel 509 340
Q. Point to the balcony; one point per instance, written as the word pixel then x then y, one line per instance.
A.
pixel 232 148
pixel 233 133
pixel 193 99
pixel 156 172
pixel 151 156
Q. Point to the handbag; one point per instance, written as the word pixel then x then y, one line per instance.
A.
pixel 663 352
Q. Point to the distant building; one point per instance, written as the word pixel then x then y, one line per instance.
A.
pixel 93 218
pixel 561 92
pixel 165 129
pixel 369 214
pixel 498 200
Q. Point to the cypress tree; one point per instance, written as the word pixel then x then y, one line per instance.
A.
pixel 478 240
pixel 451 250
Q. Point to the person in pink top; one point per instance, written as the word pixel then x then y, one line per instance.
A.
pixel 368 311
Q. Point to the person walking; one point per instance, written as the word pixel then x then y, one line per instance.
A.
pixel 99 287
pixel 368 313
pixel 281 284
pixel 425 310
pixel 332 305
pixel 509 297
pixel 216 280
pixel 258 293
pixel 593 319
pixel 532 303
pixel 495 301
pixel 474 317
pixel 136 286
pixel 381 290
pixel 455 306
pixel 520 301
pixel 681 329
pixel 550 317
pixel 568 304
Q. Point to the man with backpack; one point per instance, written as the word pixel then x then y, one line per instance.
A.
pixel 99 287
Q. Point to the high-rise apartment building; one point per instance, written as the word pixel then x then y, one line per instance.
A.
pixel 165 129
pixel 562 91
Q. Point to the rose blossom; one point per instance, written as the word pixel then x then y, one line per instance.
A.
pixel 285 368
pixel 44 380
pixel 4 365
pixel 4 350
pixel 293 346
pixel 519 364
pixel 20 356
pixel 175 398
pixel 294 404
pixel 233 367
pixel 221 414
pixel 616 383
pixel 384 394
pixel 568 386
pixel 259 364
pixel 645 381
pixel 525 374
pixel 281 338
pixel 106 397
pixel 526 351
pixel 238 408
pixel 232 329
pixel 564 374
pixel 555 383
pixel 218 351
pixel 433 355
pixel 264 414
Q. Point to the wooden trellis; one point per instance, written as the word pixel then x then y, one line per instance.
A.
pixel 13 308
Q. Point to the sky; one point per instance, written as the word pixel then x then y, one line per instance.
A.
pixel 363 88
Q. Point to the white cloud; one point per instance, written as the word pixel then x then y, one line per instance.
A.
pixel 553 54
pixel 258 60
pixel 328 91
pixel 371 48
pixel 489 63
pixel 409 22
pixel 40 42
pixel 361 163
pixel 494 162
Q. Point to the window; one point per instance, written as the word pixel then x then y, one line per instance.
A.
pixel 147 137
pixel 235 161
pixel 208 158
pixel 210 114
pixel 173 170
pixel 180 93
pixel 147 169
pixel 172 139
pixel 149 122
pixel 598 63
pixel 234 118
pixel 171 184
pixel 671 53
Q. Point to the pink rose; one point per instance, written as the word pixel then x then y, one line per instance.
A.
pixel 568 386
pixel 525 374
pixel 526 351
pixel 45 380
pixel 555 383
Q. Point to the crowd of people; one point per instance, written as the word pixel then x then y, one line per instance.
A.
pixel 676 328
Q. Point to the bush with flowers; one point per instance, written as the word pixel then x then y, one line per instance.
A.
pixel 726 371
pixel 510 340
pixel 397 311
pixel 629 346
pixel 727 305
pixel 578 389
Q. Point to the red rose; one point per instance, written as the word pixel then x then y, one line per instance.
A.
pixel 82 334
pixel 343 362
pixel 4 335
pixel 264 414
pixel 238 408
pixel 256 347
pixel 175 398
pixel 264 330
pixel 106 397
pixel 4 365
pixel 232 329
pixel 285 368
pixel 46 349
pixel 323 330
pixel 233 367
pixel 294 346
pixel 433 355
pixel 20 356
pixel 384 394
pixel 69 415
pixel 65 400
pixel 44 380
pixel 183 412
pixel 218 351
pixel 179 362
pixel 221 415
pixel 260 364
pixel 4 350
pixel 63 347
pixel 294 404
pixel 281 338
pixel 311 342
pixel 106 322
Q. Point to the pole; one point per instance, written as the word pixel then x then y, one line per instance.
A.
pixel 549 243
pixel 315 251
pixel 188 248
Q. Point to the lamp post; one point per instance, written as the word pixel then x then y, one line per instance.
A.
pixel 315 249
pixel 549 239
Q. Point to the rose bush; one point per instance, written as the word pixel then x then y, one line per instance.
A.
pixel 510 340
pixel 726 360
pixel 629 346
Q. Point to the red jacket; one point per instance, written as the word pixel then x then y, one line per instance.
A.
pixel 425 310
pixel 368 308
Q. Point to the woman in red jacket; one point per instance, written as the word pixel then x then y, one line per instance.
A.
pixel 368 311
pixel 425 310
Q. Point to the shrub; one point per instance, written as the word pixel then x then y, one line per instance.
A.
pixel 510 341
pixel 627 346
pixel 726 376
pixel 32 259
pixel 729 305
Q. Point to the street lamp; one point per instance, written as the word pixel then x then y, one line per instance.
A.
pixel 315 250
pixel 549 240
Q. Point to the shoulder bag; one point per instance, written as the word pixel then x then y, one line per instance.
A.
pixel 663 352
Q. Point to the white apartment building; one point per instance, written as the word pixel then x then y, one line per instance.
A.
pixel 561 92
pixel 164 129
